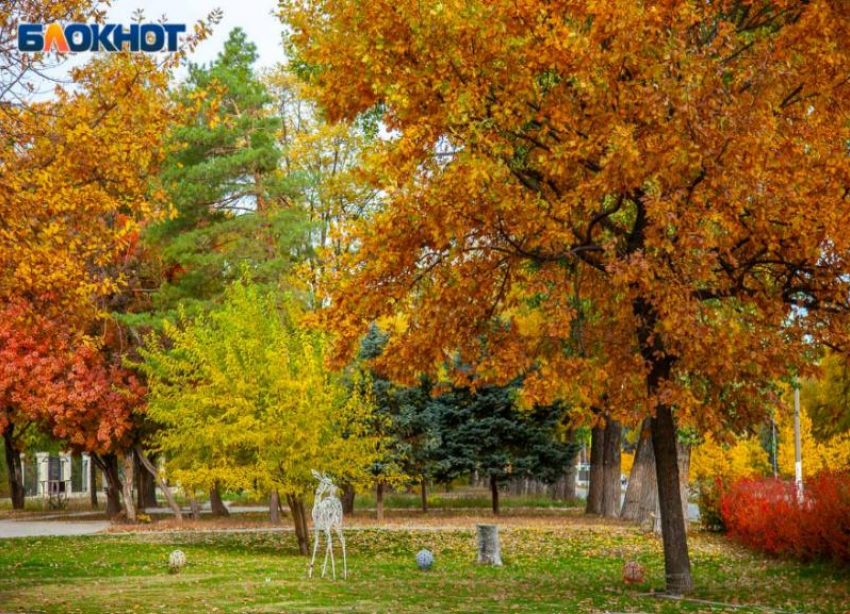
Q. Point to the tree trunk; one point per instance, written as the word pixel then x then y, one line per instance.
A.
pixel 379 500
pixel 683 453
pixel 649 512
pixel 597 472
pixel 194 507
pixel 14 469
pixel 129 504
pixel 299 520
pixel 494 493
pixel 643 465
pixel 611 469
pixel 348 494
pixel 424 484
pixel 169 496
pixel 108 464
pixel 274 507
pixel 677 563
pixel 569 492
pixel 145 486
pixel 92 483
pixel 217 506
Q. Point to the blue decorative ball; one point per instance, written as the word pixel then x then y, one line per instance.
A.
pixel 424 559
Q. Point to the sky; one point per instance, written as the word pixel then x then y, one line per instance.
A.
pixel 254 16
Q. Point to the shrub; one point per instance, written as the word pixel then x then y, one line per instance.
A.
pixel 769 515
pixel 708 499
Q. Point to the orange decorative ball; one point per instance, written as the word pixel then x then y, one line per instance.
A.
pixel 633 573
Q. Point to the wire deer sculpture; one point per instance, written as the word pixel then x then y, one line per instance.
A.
pixel 327 517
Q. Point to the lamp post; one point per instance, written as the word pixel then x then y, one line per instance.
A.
pixel 798 451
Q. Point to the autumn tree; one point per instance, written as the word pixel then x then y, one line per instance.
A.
pixel 686 161
pixel 246 402
pixel 322 162
pixel 826 397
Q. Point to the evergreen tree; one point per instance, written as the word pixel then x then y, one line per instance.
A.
pixel 232 201
pixel 484 430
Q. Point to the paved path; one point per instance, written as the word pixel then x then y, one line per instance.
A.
pixel 35 528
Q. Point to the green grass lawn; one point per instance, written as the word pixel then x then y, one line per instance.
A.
pixel 573 569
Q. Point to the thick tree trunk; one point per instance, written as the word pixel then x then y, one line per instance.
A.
pixel 169 496
pixel 597 473
pixel 274 507
pixel 379 500
pixel 299 520
pixel 424 483
pixel 217 506
pixel 611 469
pixel 129 504
pixel 145 486
pixel 649 511
pixel 348 494
pixel 92 483
pixel 677 563
pixel 494 494
pixel 642 466
pixel 14 470
pixel 108 464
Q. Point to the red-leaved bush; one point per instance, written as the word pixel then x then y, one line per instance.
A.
pixel 769 515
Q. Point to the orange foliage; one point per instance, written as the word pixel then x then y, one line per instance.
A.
pixel 617 197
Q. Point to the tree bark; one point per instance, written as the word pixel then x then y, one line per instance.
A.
pixel 145 486
pixel 108 464
pixel 379 500
pixel 643 465
pixel 569 492
pixel 348 494
pixel 194 507
pixel 597 473
pixel 129 504
pixel 92 483
pixel 424 483
pixel 677 563
pixel 217 506
pixel 649 511
pixel 611 469
pixel 299 520
pixel 274 507
pixel 169 496
pixel 494 493
pixel 14 469
pixel 683 453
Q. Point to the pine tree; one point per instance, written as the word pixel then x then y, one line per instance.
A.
pixel 232 202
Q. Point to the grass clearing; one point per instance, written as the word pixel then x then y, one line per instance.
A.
pixel 574 567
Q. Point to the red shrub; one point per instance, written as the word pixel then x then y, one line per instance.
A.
pixel 769 515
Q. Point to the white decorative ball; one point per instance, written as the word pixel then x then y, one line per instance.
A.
pixel 176 560
pixel 424 559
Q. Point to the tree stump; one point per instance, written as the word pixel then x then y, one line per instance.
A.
pixel 489 551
